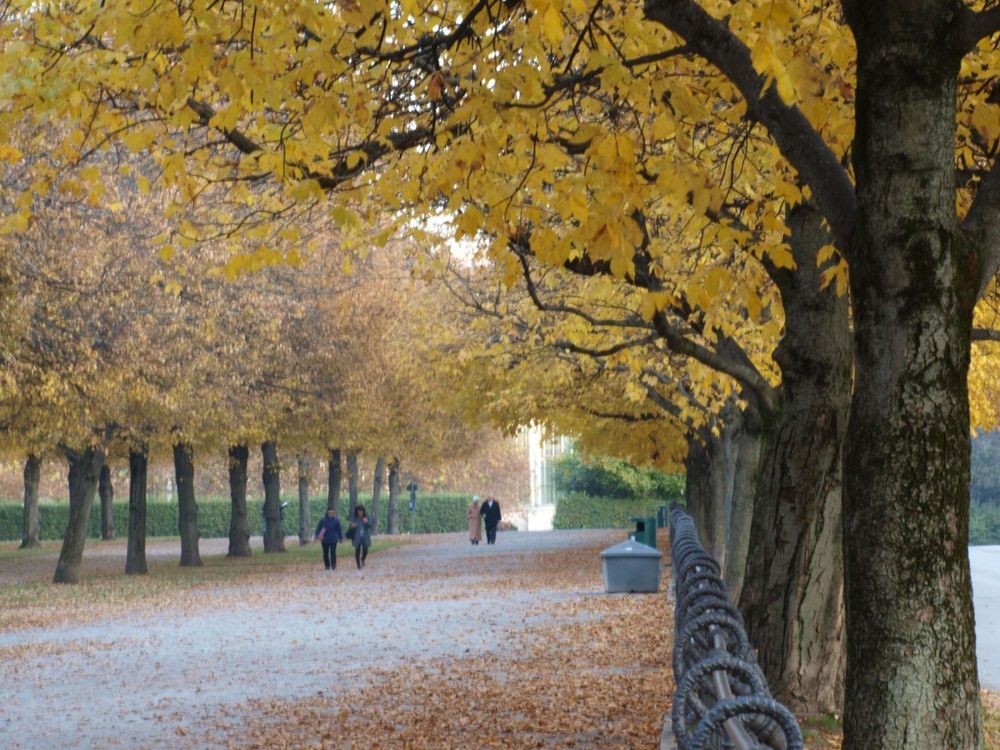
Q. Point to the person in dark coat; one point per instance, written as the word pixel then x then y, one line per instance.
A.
pixel 490 511
pixel 362 538
pixel 329 533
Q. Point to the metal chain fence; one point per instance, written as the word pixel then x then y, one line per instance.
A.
pixel 722 700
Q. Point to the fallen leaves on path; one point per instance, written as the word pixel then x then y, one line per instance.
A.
pixel 596 676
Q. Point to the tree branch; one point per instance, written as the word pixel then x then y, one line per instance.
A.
pixel 739 368
pixel 798 141
pixel 986 334
pixel 569 346
pixel 975 26
pixel 982 224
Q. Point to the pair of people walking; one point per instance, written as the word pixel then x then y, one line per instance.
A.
pixel 487 514
pixel 330 533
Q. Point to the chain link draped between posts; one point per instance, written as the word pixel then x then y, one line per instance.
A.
pixel 722 700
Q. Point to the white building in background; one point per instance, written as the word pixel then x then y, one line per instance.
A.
pixel 542 495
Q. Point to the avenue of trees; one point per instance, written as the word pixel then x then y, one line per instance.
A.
pixel 113 354
pixel 758 238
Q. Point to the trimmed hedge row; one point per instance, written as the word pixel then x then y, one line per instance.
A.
pixel 580 511
pixel 437 513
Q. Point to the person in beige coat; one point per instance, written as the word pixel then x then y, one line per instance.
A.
pixel 475 522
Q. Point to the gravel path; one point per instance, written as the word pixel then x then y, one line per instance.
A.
pixel 151 677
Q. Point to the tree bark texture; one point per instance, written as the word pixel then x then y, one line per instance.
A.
pixel 30 534
pixel 333 480
pixel 239 526
pixel 792 599
pixel 378 480
pixel 305 522
pixel 135 555
pixel 747 442
pixel 697 487
pixel 187 508
pixel 352 481
pixel 393 521
pixel 705 492
pixel 911 662
pixel 106 491
pixel 274 534
pixel 84 470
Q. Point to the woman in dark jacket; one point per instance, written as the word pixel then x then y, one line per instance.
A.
pixel 362 538
pixel 328 531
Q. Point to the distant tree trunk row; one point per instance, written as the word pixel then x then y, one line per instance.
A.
pixel 89 476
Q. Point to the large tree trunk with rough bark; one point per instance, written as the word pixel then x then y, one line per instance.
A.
pixel 106 491
pixel 239 525
pixel 30 534
pixel 187 507
pixel 393 521
pixel 84 470
pixel 274 534
pixel 352 482
pixel 305 522
pixel 792 598
pixel 911 664
pixel 333 480
pixel 378 480
pixel 135 555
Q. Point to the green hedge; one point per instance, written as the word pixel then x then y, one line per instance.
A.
pixel 984 524
pixel 612 477
pixel 580 511
pixel 435 513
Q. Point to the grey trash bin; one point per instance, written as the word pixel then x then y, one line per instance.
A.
pixel 631 567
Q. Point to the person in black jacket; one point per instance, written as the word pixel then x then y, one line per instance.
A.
pixel 328 532
pixel 490 511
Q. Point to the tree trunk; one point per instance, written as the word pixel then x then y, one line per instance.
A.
pixel 305 522
pixel 333 481
pixel 792 598
pixel 696 487
pixel 274 533
pixel 705 492
pixel 393 523
pixel 135 555
pixel 84 470
pixel 746 464
pixel 187 508
pixel 911 663
pixel 239 526
pixel 352 481
pixel 30 535
pixel 377 481
pixel 106 491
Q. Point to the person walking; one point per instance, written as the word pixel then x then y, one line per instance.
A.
pixel 329 534
pixel 360 535
pixel 490 511
pixel 475 521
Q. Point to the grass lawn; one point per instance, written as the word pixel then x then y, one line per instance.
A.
pixel 824 732
pixel 43 603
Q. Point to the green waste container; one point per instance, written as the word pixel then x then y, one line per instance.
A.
pixel 645 530
pixel 630 567
pixel 662 516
